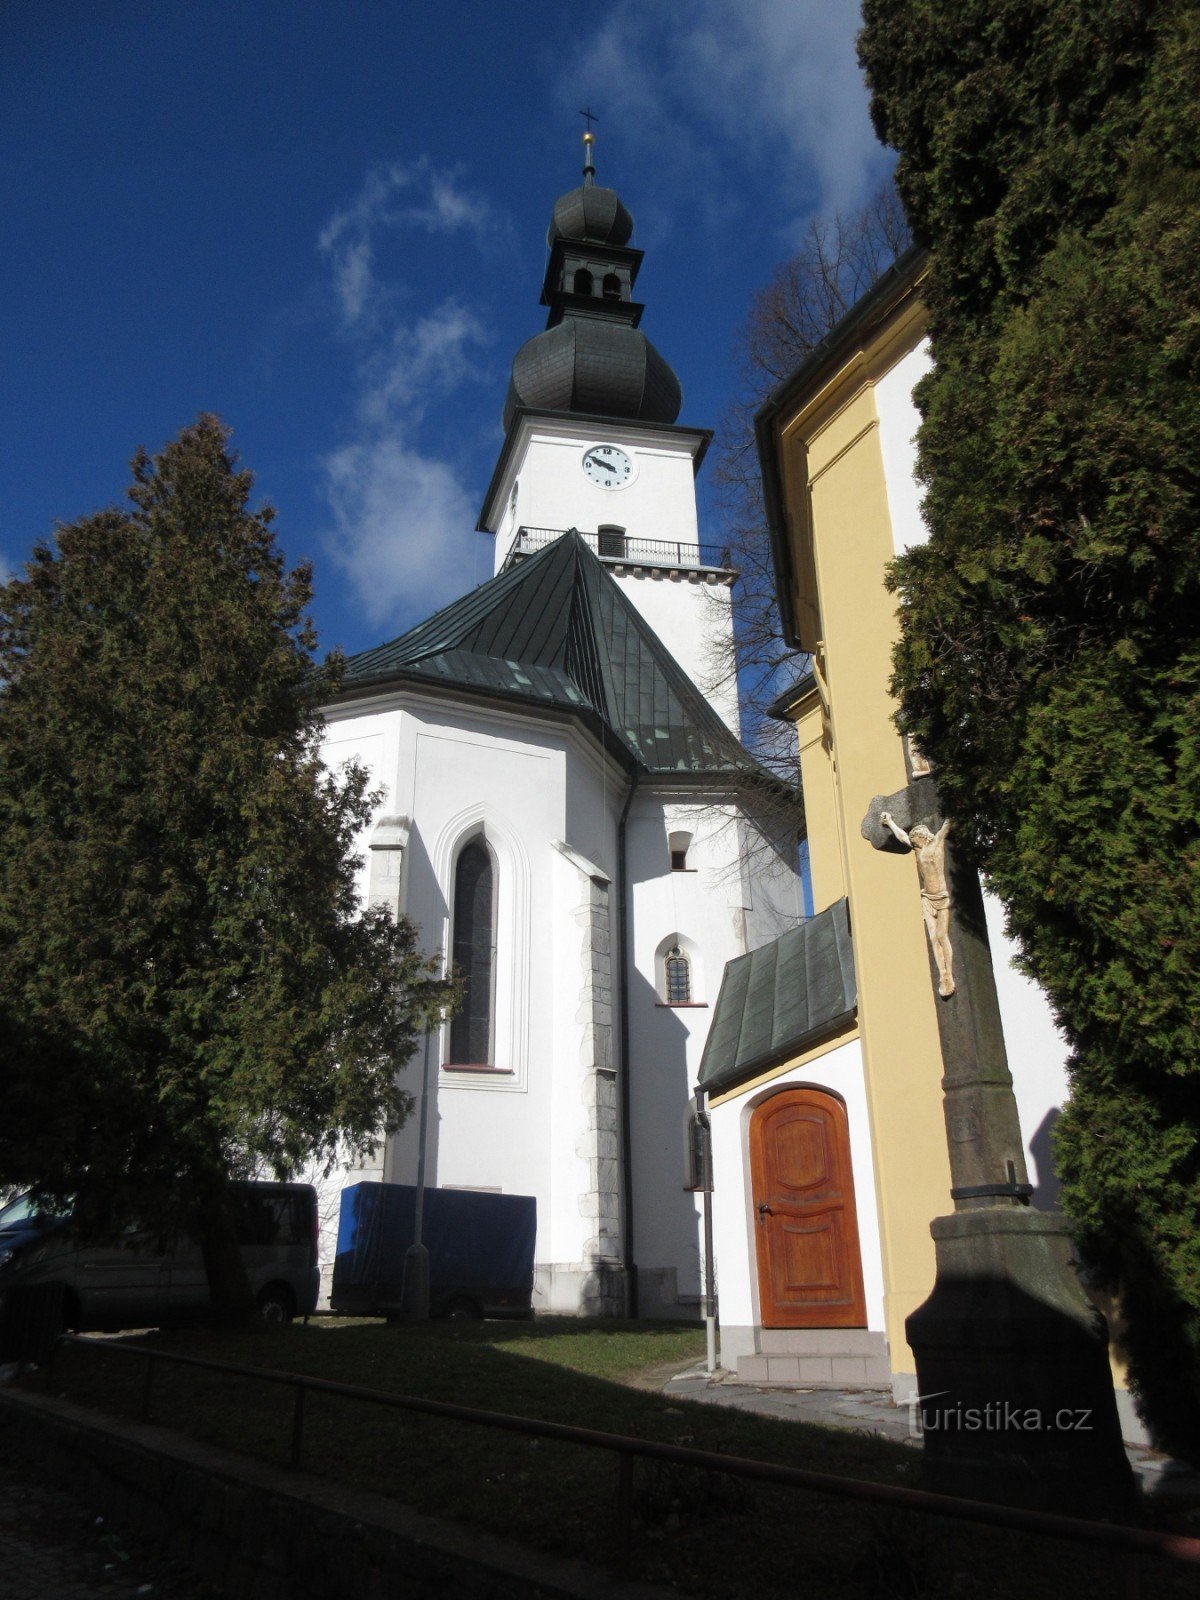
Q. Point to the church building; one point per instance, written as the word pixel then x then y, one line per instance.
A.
pixel 567 816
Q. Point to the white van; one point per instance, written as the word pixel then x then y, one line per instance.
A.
pixel 144 1279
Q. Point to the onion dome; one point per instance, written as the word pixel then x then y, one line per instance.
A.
pixel 590 214
pixel 595 367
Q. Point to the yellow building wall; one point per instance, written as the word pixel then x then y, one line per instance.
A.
pixel 850 751
pixel 826 853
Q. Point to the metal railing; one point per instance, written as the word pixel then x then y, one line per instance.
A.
pixel 1131 1543
pixel 618 546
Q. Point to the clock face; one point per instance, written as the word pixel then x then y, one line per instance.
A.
pixel 607 466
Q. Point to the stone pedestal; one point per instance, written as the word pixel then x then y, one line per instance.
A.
pixel 1016 1395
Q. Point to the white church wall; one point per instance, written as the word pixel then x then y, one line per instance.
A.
pixel 372 741
pixel 582 1272
pixel 534 1128
pixel 455 771
pixel 473 773
pixel 899 420
pixel 769 864
pixel 658 501
pixel 568 991
pixel 1037 1057
pixel 699 906
pixel 840 1072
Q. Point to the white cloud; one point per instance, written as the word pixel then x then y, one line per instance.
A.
pixel 730 83
pixel 395 198
pixel 406 539
pixel 419 363
pixel 403 518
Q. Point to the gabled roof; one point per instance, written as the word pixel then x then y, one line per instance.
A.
pixel 555 630
pixel 780 999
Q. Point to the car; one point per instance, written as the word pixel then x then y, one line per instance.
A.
pixel 141 1278
pixel 23 1218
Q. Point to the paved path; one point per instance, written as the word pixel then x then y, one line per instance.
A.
pixel 860 1410
pixel 872 1411
pixel 53 1548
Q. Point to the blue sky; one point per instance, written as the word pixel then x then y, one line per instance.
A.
pixel 325 221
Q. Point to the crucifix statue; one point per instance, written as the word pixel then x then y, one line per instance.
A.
pixel 930 851
pixel 1007 1320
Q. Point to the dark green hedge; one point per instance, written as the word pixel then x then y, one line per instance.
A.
pixel 1050 658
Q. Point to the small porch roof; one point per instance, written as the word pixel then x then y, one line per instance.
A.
pixel 780 999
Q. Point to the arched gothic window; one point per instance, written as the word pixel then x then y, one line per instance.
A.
pixel 474 954
pixel 677 970
pixel 611 286
pixel 583 281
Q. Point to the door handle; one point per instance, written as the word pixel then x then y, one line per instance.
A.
pixel 764 1209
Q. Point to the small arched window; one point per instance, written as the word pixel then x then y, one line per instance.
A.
pixel 611 286
pixel 677 972
pixel 474 953
pixel 583 281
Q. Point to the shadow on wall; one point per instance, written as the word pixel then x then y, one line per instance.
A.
pixel 1046 1187
pixel 424 901
pixel 666 1236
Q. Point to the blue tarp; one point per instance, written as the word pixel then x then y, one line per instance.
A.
pixel 480 1247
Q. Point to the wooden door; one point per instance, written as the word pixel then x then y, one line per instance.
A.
pixel 809 1268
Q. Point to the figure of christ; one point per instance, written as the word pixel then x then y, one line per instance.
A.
pixel 930 851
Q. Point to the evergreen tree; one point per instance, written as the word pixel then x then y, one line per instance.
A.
pixel 188 992
pixel 1050 653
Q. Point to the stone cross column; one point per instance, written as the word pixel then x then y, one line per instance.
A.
pixel 1016 1393
pixel 983 1132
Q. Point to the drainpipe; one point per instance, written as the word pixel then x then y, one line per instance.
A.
pixel 623 1069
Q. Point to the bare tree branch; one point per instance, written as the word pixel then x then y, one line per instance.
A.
pixel 807 295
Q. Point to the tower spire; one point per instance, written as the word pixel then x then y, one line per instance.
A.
pixel 589 148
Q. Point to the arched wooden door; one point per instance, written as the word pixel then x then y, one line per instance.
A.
pixel 809 1267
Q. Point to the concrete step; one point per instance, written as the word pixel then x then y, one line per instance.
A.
pixel 818 1358
pixel 820 1342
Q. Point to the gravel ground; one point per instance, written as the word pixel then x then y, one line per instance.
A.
pixel 52 1547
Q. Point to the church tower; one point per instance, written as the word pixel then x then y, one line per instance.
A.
pixel 592 443
pixel 566 815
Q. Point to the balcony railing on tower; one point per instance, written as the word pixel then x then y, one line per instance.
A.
pixel 615 545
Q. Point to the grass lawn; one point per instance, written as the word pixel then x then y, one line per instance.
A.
pixel 709 1535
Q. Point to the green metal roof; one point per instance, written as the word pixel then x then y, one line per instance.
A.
pixel 780 998
pixel 555 630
